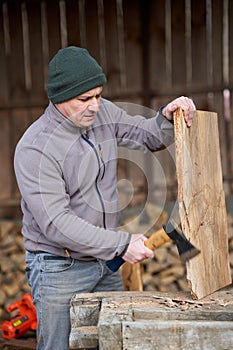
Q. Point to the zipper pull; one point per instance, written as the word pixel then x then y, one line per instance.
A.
pixel 102 161
pixel 85 133
pixel 100 151
pixel 67 253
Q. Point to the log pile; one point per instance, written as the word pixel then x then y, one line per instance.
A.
pixel 13 279
pixel 165 272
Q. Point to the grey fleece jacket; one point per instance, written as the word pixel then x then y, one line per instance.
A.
pixel 67 179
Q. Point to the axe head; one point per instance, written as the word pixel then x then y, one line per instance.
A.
pixel 186 249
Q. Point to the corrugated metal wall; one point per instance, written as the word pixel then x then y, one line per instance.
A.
pixel 151 51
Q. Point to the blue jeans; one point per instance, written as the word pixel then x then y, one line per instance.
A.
pixel 54 280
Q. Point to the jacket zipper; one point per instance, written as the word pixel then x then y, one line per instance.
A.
pixel 99 158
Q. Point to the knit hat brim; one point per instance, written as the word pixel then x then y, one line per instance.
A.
pixel 78 89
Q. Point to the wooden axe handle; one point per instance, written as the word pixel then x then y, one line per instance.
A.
pixel 157 239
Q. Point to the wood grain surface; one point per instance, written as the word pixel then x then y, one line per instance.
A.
pixel 202 201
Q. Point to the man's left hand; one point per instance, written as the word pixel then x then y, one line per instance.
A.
pixel 186 104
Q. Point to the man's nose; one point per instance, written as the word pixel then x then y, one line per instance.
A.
pixel 94 104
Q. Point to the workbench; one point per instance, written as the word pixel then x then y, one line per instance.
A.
pixel 152 320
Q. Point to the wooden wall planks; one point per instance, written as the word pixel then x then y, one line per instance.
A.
pixel 151 52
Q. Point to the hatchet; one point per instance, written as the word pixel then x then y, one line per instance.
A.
pixel 166 234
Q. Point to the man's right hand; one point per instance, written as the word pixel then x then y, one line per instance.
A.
pixel 137 251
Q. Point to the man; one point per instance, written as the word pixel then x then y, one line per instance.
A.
pixel 65 165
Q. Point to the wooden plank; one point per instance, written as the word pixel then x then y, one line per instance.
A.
pixel 199 52
pixel 5 159
pixel 84 337
pixel 16 76
pixel 19 121
pixel 73 22
pixel 53 23
pixel 84 314
pixel 178 57
pixel 202 201
pixel 4 55
pixel 172 321
pixel 177 306
pixel 152 320
pixel 37 92
pixel 173 335
pixel 111 35
pixel 169 309
pixel 157 44
pixel 129 32
pixel 113 313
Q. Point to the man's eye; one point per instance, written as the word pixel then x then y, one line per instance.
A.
pixel 89 98
pixel 84 99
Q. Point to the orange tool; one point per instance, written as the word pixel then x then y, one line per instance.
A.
pixel 24 321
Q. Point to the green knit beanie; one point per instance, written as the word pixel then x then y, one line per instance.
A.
pixel 72 71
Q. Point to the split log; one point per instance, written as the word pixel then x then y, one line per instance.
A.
pixel 202 202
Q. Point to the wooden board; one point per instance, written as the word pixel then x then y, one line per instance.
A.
pixel 202 201
pixel 152 320
pixel 181 335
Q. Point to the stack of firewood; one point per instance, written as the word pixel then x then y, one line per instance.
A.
pixel 165 272
pixel 13 279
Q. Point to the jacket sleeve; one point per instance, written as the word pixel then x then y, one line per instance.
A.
pixel 138 132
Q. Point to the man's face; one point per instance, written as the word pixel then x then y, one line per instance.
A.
pixel 81 110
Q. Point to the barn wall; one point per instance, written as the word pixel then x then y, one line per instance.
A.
pixel 151 52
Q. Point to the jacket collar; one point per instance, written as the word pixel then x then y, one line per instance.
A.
pixel 58 118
